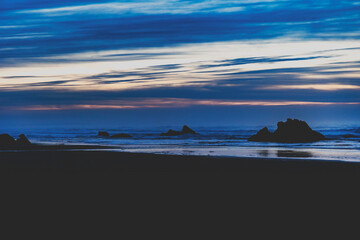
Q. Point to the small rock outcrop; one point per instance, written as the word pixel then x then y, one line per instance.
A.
pixel 291 131
pixel 23 141
pixel 103 134
pixel 6 140
pixel 349 136
pixel 264 135
pixel 121 135
pixel 185 130
pixel 8 143
pixel 172 133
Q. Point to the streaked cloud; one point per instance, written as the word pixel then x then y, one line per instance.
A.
pixel 150 7
pixel 91 54
pixel 176 103
pixel 321 87
pixel 90 26
pixel 265 65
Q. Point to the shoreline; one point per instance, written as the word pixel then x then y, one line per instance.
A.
pixel 275 154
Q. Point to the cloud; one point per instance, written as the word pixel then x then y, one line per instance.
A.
pixel 88 25
pixel 99 55
pixel 175 103
pixel 242 61
pixel 321 87
pixel 267 70
pixel 146 7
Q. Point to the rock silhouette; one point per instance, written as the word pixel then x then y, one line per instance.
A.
pixel 121 135
pixel 349 136
pixel 8 142
pixel 185 130
pixel 103 134
pixel 172 133
pixel 264 135
pixel 22 140
pixel 291 131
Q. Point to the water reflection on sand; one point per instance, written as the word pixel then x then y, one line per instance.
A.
pixel 294 153
pixel 285 153
pixel 263 153
pixel 269 152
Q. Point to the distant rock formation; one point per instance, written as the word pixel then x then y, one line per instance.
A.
pixel 103 134
pixel 8 142
pixel 291 131
pixel 121 135
pixel 23 141
pixel 185 130
pixel 349 136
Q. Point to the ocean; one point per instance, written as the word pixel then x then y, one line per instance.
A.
pixel 343 143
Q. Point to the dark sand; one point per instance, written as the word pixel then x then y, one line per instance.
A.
pixel 100 186
pixel 122 163
pixel 118 173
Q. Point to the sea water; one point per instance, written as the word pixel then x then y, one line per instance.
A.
pixel 343 143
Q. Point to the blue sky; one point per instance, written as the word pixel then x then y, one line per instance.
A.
pixel 167 62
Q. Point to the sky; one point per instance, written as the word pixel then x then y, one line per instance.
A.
pixel 98 63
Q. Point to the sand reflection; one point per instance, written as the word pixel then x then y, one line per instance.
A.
pixel 263 153
pixel 293 153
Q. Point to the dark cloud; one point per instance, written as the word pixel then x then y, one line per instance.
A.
pixel 49 84
pixel 241 61
pixel 218 91
pixel 10 77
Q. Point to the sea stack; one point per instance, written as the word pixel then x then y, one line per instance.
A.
pixel 291 131
pixel 8 143
pixel 103 134
pixel 6 140
pixel 121 135
pixel 185 130
pixel 23 141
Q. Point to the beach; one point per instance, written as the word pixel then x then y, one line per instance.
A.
pixel 140 188
pixel 80 161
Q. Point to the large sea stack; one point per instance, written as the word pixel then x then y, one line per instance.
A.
pixel 291 131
